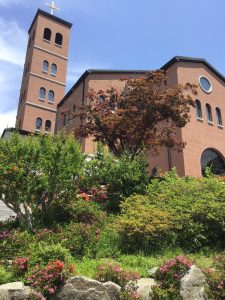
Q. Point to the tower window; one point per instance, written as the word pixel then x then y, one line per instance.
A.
pixel 219 117
pixel 45 66
pixel 38 124
pixel 42 93
pixel 209 113
pixel 51 96
pixel 198 108
pixel 58 38
pixel 47 34
pixel 53 69
pixel 48 125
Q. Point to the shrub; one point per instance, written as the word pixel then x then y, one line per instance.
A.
pixel 113 272
pixel 47 280
pixel 215 287
pixel 42 253
pixel 5 276
pixel 169 276
pixel 219 261
pixel 20 265
pixel 197 207
pixel 142 226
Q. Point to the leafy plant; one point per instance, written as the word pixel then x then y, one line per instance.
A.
pixel 5 276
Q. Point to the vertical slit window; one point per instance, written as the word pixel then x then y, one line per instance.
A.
pixel 45 66
pixel 219 117
pixel 51 96
pixel 198 108
pixel 209 113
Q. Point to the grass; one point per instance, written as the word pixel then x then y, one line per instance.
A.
pixel 140 263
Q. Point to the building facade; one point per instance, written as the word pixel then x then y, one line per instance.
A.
pixel 43 103
pixel 44 77
pixel 203 135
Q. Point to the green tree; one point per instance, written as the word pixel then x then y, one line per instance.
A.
pixel 37 170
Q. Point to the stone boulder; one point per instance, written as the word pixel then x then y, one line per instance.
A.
pixel 192 285
pixel 83 288
pixel 14 291
pixel 145 287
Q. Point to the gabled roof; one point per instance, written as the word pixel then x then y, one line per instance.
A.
pixel 193 60
pixel 175 59
pixel 52 17
pixel 98 71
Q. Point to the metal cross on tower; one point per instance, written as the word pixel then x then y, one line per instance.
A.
pixel 52 7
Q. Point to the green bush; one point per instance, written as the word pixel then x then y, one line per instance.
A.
pixel 142 226
pixel 5 276
pixel 42 253
pixel 197 207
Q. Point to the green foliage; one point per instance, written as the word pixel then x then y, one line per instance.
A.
pixel 123 177
pixel 5 276
pixel 197 208
pixel 42 253
pixel 215 287
pixel 142 226
pixel 29 166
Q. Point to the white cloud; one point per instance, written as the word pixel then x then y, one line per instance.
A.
pixel 13 40
pixel 7 120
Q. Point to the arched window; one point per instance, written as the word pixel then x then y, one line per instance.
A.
pixel 38 124
pixel 209 113
pixel 211 159
pixel 53 69
pixel 219 117
pixel 51 96
pixel 48 125
pixel 58 38
pixel 198 108
pixel 101 99
pixel 45 66
pixel 42 93
pixel 47 34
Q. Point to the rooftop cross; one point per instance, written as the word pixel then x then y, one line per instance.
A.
pixel 52 7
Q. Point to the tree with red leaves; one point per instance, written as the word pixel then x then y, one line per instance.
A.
pixel 145 114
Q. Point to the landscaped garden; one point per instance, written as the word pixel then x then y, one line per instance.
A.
pixel 106 219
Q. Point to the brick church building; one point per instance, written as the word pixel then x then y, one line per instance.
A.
pixel 42 98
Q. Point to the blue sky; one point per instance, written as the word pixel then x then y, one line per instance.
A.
pixel 112 34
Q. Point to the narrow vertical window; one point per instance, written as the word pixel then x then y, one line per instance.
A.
pixel 38 124
pixel 33 36
pixel 45 66
pixel 209 113
pixel 51 96
pixel 48 125
pixel 58 38
pixel 47 34
pixel 53 69
pixel 219 117
pixel 198 108
pixel 42 93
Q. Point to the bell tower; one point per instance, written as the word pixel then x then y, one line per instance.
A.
pixel 44 77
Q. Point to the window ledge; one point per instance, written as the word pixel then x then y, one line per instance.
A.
pixel 220 126
pixel 46 72
pixel 199 119
pixel 37 130
pixel 47 41
pixel 53 75
pixel 51 102
pixel 57 45
pixel 40 99
pixel 47 132
pixel 210 123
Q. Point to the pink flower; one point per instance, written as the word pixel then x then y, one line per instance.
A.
pixel 51 291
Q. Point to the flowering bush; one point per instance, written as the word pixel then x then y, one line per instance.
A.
pixel 49 279
pixel 20 265
pixel 219 261
pixel 169 276
pixel 114 272
pixel 4 235
pixel 215 284
pixel 130 292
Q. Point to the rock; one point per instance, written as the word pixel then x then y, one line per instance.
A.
pixel 4 295
pixel 83 288
pixel 152 271
pixel 192 285
pixel 145 287
pixel 14 291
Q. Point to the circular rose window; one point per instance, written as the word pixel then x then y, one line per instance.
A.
pixel 205 84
